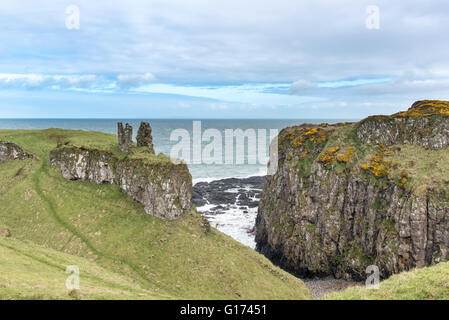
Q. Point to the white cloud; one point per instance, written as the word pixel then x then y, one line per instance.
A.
pixel 189 44
pixel 249 41
pixel 83 81
pixel 39 81
pixel 301 86
pixel 134 80
pixel 259 93
pixel 412 83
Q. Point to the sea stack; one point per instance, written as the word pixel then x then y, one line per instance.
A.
pixel 124 137
pixel 144 137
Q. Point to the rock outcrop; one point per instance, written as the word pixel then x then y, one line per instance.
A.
pixel 85 164
pixel 347 196
pixel 144 137
pixel 162 187
pixel 424 124
pixel 11 151
pixel 224 193
pixel 125 136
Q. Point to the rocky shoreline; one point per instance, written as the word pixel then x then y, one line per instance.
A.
pixel 230 205
pixel 240 197
pixel 223 193
pixel 347 196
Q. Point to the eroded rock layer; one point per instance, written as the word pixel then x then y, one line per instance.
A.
pixel 348 196
pixel 162 187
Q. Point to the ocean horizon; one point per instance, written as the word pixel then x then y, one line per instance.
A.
pixel 162 129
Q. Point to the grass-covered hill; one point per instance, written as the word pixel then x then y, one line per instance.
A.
pixel 28 271
pixel 430 283
pixel 121 251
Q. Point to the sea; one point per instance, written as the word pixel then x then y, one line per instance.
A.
pixel 202 143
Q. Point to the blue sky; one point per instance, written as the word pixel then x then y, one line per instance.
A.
pixel 220 59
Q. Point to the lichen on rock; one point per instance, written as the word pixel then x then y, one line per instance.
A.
pixel 144 137
pixel 125 135
pixel 425 124
pixel 11 151
pixel 163 188
pixel 336 207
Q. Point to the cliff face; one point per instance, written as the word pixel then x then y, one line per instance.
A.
pixel 162 187
pixel 424 124
pixel 348 196
pixel 11 151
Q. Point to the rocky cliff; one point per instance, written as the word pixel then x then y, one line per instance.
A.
pixel 11 151
pixel 162 187
pixel 351 195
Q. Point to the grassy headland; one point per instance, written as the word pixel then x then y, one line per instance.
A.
pixel 98 224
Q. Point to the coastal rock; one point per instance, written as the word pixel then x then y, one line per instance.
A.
pixel 11 151
pixel 125 136
pixel 341 200
pixel 163 188
pixel 242 192
pixel 424 124
pixel 144 137
pixel 84 164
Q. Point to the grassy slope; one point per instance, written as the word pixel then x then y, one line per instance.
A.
pixel 28 271
pixel 425 283
pixel 100 224
pixel 426 169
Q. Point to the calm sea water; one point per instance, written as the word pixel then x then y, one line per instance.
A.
pixel 163 128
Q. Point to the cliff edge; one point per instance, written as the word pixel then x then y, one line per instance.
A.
pixel 163 187
pixel 350 195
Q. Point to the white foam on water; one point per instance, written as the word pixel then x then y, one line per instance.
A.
pixel 262 172
pixel 234 222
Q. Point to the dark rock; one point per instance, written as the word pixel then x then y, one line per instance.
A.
pixel 320 221
pixel 246 193
pixel 252 230
pixel 144 137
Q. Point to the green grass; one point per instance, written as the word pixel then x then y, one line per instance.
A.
pixel 101 225
pixel 418 284
pixel 28 271
pixel 426 169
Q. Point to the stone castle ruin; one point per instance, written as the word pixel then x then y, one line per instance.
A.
pixel 144 137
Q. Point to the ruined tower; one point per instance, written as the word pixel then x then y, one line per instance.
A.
pixel 144 137
pixel 125 136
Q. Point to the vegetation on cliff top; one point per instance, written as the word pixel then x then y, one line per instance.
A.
pixel 82 139
pixel 177 259
pixel 337 148
pixel 426 108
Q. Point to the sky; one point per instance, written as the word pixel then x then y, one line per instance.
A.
pixel 327 59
